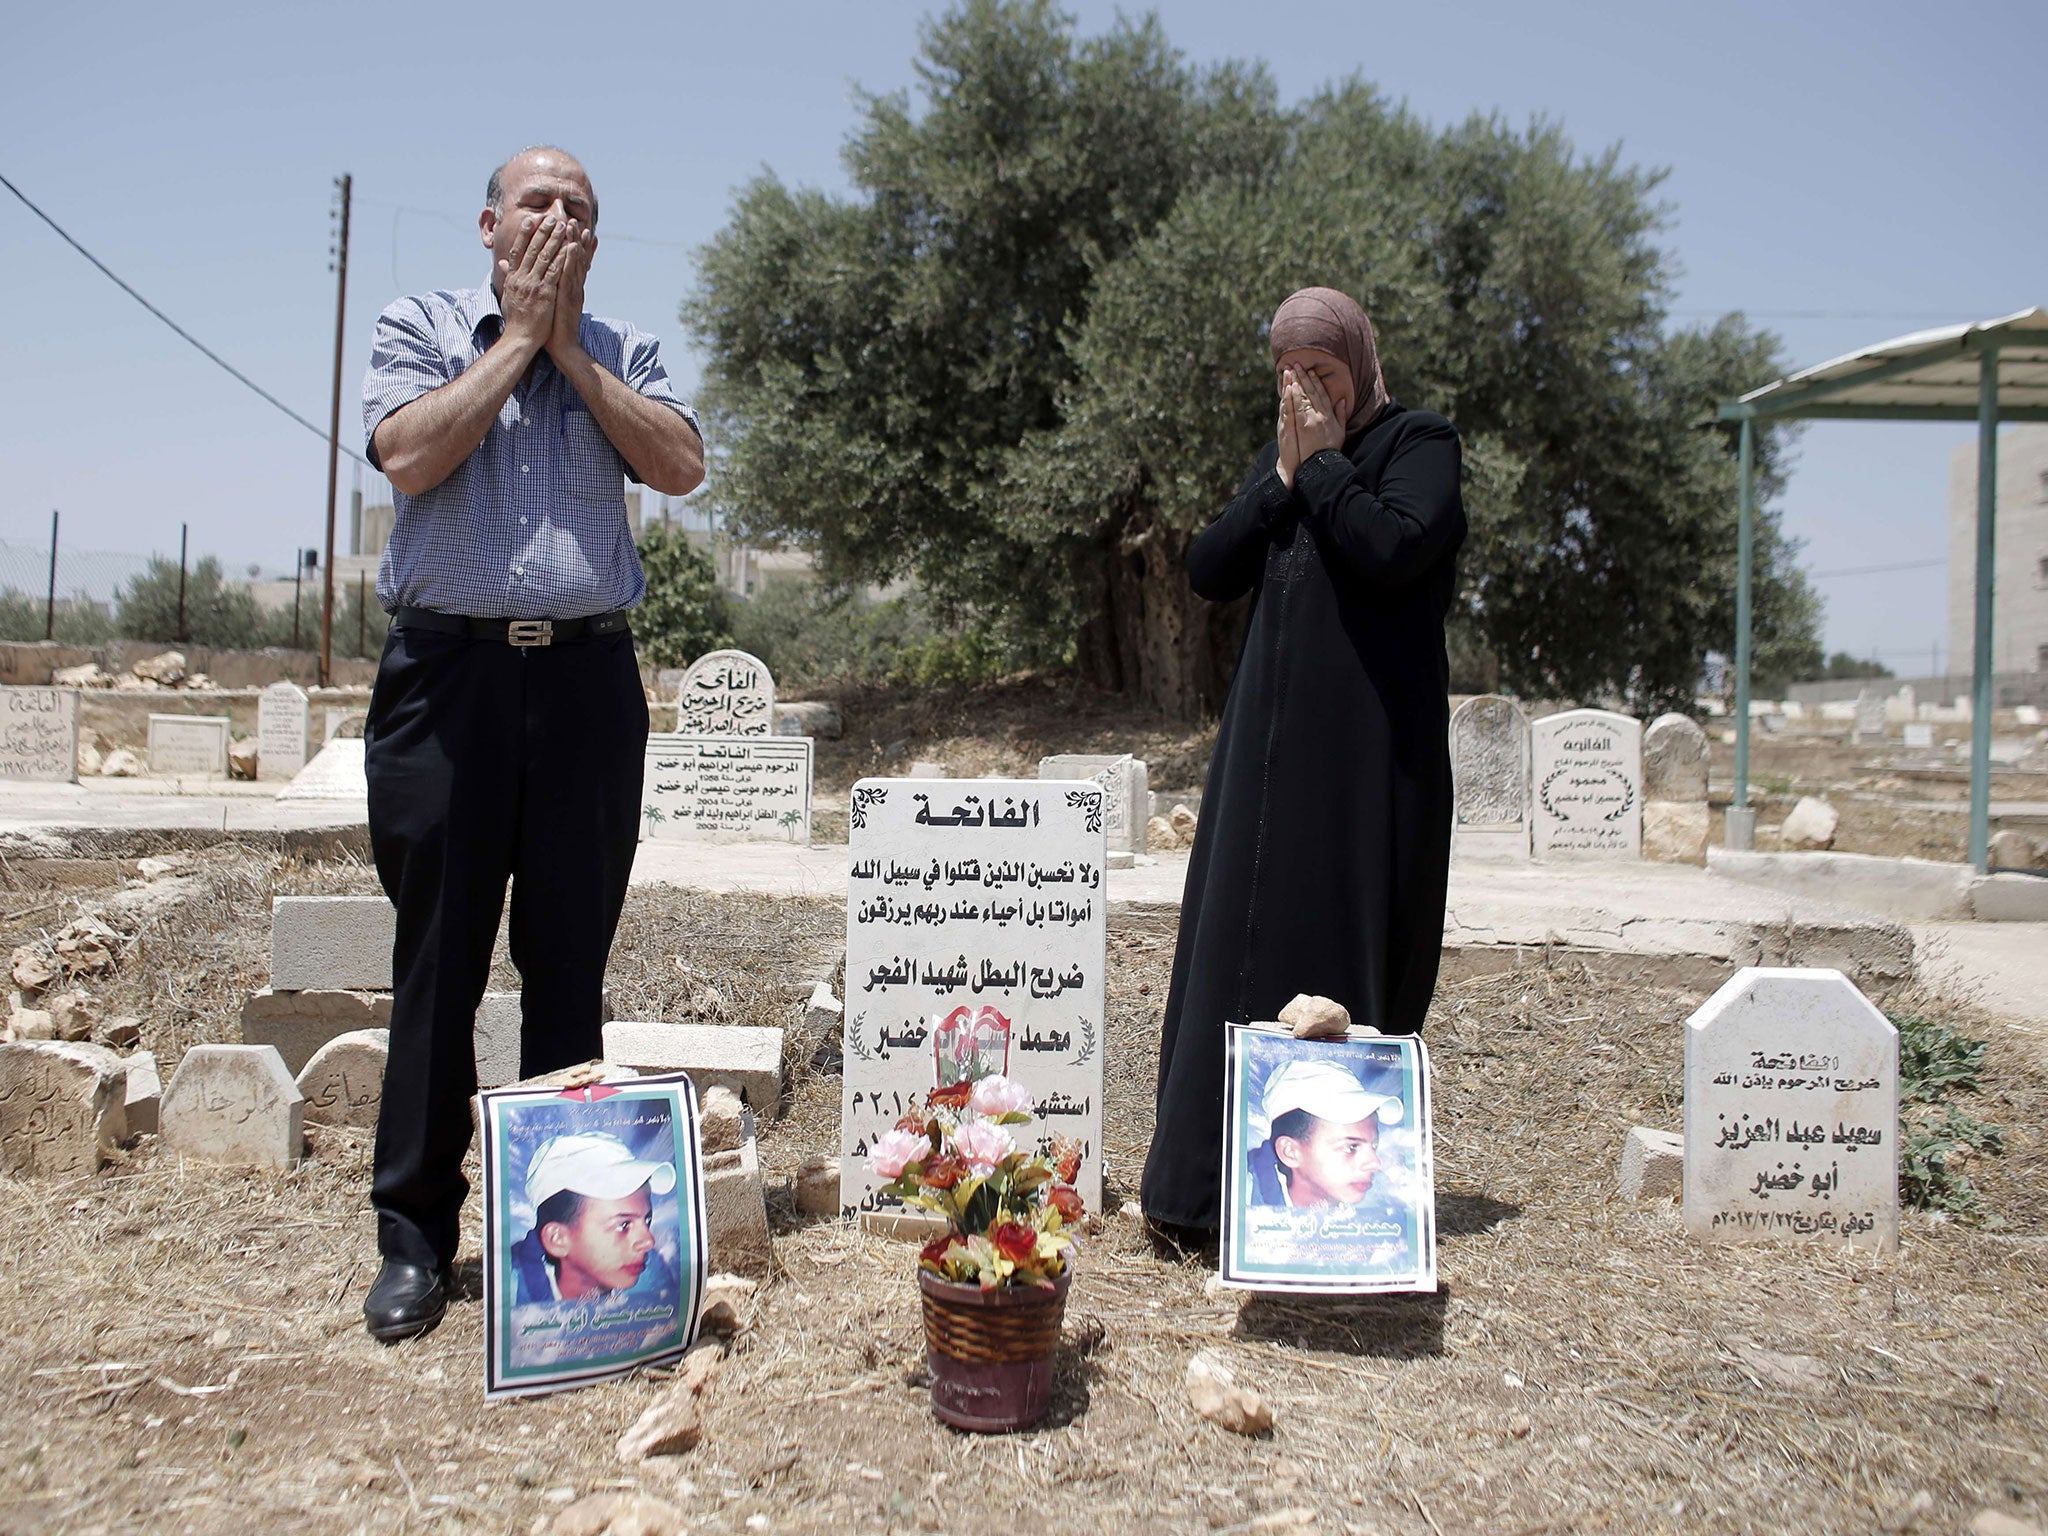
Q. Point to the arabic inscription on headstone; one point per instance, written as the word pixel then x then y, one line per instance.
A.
pixel 726 693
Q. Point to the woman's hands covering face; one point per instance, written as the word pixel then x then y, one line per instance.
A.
pixel 1308 421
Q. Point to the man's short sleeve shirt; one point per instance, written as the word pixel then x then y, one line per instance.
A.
pixel 532 525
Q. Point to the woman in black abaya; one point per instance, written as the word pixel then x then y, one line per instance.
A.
pixel 1323 849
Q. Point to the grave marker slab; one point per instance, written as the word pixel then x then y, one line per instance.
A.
pixel 1675 760
pixel 233 1104
pixel 1792 1113
pixel 344 1082
pixel 188 746
pixel 62 1106
pixel 1870 712
pixel 726 788
pixel 1490 779
pixel 39 734
pixel 1127 794
pixel 976 925
pixel 322 943
pixel 726 693
pixel 284 724
pixel 1588 785
pixel 1919 737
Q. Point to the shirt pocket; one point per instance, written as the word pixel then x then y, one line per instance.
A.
pixel 592 470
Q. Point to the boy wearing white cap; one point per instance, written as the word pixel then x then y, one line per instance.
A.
pixel 593 1220
pixel 1323 1146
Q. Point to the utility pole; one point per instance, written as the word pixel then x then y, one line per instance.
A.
pixel 344 185
pixel 183 530
pixel 50 613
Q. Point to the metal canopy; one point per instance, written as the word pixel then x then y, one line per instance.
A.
pixel 1989 372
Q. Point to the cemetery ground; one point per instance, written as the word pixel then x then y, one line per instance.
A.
pixel 181 1346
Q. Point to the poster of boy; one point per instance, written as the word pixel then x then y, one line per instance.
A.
pixel 1328 1180
pixel 594 1246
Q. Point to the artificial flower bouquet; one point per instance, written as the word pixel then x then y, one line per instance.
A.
pixel 1009 1213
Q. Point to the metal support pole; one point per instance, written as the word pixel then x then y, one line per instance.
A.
pixel 362 613
pixel 346 184
pixel 50 611
pixel 298 586
pixel 1741 825
pixel 184 529
pixel 1981 693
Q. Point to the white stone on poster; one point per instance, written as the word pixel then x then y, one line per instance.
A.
pixel 284 725
pixel 188 746
pixel 726 693
pixel 1127 793
pixel 39 734
pixel 1792 1113
pixel 976 933
pixel 727 788
pixel 1490 779
pixel 234 1104
pixel 1587 785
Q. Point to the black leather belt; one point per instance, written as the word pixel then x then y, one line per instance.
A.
pixel 519 632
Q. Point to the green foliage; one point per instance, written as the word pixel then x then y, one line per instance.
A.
pixel 217 614
pixel 1939 1138
pixel 812 635
pixel 1843 667
pixel 360 624
pixel 1025 362
pixel 683 615
pixel 24 615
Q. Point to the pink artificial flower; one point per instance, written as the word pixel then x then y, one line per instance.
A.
pixel 983 1144
pixel 995 1096
pixel 894 1151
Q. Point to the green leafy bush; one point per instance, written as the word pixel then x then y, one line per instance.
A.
pixel 683 615
pixel 23 616
pixel 1938 1139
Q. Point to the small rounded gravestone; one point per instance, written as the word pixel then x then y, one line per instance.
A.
pixel 344 1082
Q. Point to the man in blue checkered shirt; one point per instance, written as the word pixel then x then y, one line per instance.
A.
pixel 508 726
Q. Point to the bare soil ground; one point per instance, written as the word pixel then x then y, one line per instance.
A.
pixel 181 1348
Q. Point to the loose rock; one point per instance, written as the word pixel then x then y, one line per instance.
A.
pixel 1995 1522
pixel 1316 1018
pixel 1182 820
pixel 1810 827
pixel 1159 833
pixel 1652 1165
pixel 87 676
pixel 123 1034
pixel 89 760
pixel 167 668
pixel 1215 1394
pixel 727 1301
pixel 722 1125
pixel 86 947
pixel 618 1514
pixel 242 758
pixel 32 969
pixel 121 764
pixel 73 1014
pixel 672 1424
pixel 1786 1373
pixel 817 1185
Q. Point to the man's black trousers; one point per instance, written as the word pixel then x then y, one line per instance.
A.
pixel 490 762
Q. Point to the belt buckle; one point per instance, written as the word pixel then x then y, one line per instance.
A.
pixel 529 632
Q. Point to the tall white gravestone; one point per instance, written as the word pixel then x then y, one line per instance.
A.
pixel 1126 788
pixel 39 734
pixel 976 931
pixel 726 693
pixel 1675 811
pixel 1587 785
pixel 188 746
pixel 284 723
pixel 727 788
pixel 1792 1113
pixel 1490 779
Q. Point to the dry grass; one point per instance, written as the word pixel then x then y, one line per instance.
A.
pixel 185 1350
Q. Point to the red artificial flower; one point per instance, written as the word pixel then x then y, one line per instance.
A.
pixel 915 1123
pixel 934 1252
pixel 1066 1158
pixel 1014 1241
pixel 943 1171
pixel 953 1097
pixel 1067 1201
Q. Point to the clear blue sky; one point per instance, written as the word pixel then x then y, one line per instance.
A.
pixel 1842 172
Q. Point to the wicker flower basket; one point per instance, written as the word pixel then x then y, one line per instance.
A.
pixel 990 1352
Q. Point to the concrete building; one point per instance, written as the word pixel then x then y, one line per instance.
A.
pixel 2019 613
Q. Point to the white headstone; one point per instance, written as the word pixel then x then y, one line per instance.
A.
pixel 725 788
pixel 1490 779
pixel 233 1104
pixel 284 723
pixel 344 1082
pixel 39 734
pixel 1919 736
pixel 1675 760
pixel 337 772
pixel 1127 794
pixel 1588 785
pixel 976 932
pixel 726 693
pixel 62 1106
pixel 1792 1112
pixel 188 746
pixel 1869 717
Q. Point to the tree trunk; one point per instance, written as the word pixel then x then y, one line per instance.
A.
pixel 1151 638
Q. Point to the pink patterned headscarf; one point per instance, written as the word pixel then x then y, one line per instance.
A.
pixel 1324 320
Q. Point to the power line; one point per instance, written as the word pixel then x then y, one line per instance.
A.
pixel 208 352
pixel 1875 570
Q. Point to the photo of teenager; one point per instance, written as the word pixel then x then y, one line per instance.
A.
pixel 1327 1172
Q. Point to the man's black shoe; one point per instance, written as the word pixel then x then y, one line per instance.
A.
pixel 405 1301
